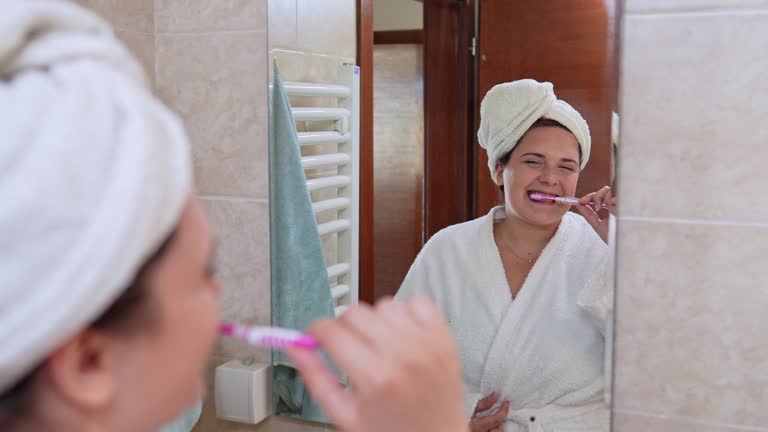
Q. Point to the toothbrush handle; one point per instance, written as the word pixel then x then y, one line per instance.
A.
pixel 270 337
pixel 575 201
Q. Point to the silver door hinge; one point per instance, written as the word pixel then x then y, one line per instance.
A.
pixel 473 48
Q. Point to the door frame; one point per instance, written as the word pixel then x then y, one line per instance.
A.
pixel 449 62
pixel 365 61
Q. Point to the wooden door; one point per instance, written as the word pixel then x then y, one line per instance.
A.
pixel 398 163
pixel 448 113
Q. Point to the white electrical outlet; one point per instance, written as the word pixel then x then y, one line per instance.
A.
pixel 243 392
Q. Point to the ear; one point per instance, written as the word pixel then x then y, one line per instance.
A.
pixel 83 372
pixel 498 176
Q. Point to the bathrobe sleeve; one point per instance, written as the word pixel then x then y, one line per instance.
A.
pixel 597 296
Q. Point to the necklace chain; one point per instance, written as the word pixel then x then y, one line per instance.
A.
pixel 530 256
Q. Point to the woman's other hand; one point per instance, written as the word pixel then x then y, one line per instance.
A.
pixel 491 422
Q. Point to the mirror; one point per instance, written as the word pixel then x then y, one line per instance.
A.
pixel 525 282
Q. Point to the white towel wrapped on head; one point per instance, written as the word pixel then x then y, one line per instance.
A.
pixel 509 109
pixel 94 173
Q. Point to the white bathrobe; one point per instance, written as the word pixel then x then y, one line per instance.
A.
pixel 539 351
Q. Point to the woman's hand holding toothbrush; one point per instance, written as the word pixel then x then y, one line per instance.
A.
pixel 402 365
pixel 603 196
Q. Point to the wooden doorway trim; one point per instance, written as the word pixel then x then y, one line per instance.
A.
pixel 365 61
pixel 448 117
pixel 398 37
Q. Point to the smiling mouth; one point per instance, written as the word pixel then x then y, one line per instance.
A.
pixel 541 197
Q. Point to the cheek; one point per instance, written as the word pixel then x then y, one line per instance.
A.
pixel 191 321
pixel 571 182
pixel 511 187
pixel 194 332
pixel 166 365
pixel 522 183
pixel 519 178
pixel 207 314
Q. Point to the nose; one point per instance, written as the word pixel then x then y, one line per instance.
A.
pixel 548 177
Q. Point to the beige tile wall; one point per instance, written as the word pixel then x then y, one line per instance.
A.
pixel 310 42
pixel 690 351
pixel 133 22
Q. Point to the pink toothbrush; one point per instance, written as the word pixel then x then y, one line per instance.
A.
pixel 537 196
pixel 269 337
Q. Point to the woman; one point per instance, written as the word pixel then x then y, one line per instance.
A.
pixel 508 281
pixel 107 294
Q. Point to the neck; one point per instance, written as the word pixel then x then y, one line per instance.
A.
pixel 524 236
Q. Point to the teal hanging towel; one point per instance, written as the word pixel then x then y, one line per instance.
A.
pixel 300 289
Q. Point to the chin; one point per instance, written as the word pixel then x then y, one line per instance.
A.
pixel 541 217
pixel 539 220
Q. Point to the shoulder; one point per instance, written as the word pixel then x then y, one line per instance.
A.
pixel 459 234
pixel 445 261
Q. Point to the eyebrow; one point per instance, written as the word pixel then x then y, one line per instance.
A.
pixel 539 155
